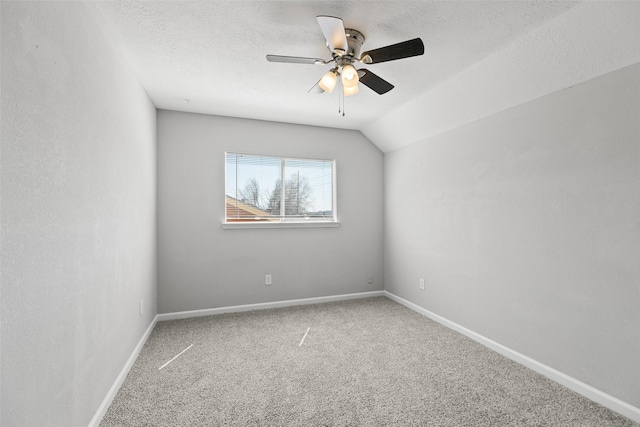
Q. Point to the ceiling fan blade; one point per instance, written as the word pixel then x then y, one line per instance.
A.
pixel 316 88
pixel 294 59
pixel 374 82
pixel 392 52
pixel 333 30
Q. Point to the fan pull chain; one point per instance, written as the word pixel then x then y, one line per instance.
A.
pixel 339 97
pixel 341 100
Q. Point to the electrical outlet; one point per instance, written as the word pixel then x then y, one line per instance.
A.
pixel 370 279
pixel 267 279
pixel 140 311
pixel 422 284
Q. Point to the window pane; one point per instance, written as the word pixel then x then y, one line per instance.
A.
pixel 308 189
pixel 255 192
pixel 251 192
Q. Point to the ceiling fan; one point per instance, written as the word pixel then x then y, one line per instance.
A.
pixel 344 45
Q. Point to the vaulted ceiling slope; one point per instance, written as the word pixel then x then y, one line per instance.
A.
pixel 480 57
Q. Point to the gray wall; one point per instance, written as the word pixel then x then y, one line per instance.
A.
pixel 201 266
pixel 77 216
pixel 525 226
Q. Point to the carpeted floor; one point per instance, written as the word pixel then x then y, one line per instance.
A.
pixel 368 362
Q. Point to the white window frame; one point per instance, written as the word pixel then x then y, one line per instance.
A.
pixel 288 223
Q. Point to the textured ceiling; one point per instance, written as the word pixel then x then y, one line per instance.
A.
pixel 209 57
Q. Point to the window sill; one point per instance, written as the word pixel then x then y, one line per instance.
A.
pixel 260 224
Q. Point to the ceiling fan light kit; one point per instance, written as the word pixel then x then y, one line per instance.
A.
pixel 349 76
pixel 329 80
pixel 348 91
pixel 344 45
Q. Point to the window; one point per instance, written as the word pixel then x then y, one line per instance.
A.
pixel 267 189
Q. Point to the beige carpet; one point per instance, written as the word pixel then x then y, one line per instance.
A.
pixel 369 362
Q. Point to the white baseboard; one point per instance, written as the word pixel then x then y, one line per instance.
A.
pixel 571 383
pixel 266 305
pixel 102 410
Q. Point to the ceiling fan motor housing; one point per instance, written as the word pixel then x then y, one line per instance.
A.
pixel 355 39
